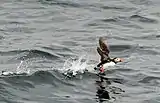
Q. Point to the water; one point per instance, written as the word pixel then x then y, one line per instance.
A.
pixel 45 33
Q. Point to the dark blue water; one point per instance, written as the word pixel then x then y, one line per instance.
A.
pixel 45 33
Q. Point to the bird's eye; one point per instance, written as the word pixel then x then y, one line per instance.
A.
pixel 117 59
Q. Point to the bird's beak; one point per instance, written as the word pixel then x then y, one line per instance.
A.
pixel 121 59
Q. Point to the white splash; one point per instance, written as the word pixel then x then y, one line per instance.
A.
pixel 75 66
pixel 21 68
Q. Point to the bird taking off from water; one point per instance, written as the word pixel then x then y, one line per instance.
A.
pixel 105 60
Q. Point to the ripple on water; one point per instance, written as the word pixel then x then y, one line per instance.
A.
pixel 30 53
pixel 141 2
pixel 60 3
pixel 143 19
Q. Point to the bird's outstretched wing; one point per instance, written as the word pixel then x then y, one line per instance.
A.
pixel 103 49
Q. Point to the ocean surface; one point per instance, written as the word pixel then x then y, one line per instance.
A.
pixel 42 42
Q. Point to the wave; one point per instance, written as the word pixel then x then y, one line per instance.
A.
pixel 143 19
pixel 120 48
pixel 27 54
pixel 60 3
pixel 40 77
pixel 110 20
pixel 141 2
pixel 150 79
pixel 121 21
pixel 148 37
pixel 120 8
pixel 72 66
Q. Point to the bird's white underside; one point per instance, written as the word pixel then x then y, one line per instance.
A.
pixel 106 65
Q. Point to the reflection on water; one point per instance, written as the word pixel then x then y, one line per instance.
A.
pixel 102 93
pixel 104 88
